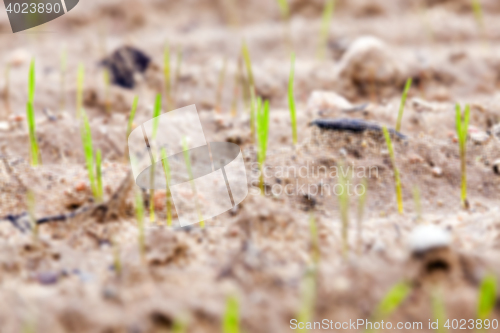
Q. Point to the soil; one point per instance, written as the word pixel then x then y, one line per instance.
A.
pixel 66 278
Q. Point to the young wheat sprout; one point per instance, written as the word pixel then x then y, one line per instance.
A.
pixel 117 262
pixel 156 114
pixel 166 169
pixel 187 160
pixel 250 88
pixel 139 213
pixel 178 67
pixel 130 123
pixel 88 151
pixel 231 320
pixel 30 198
pixel 30 116
pixel 344 211
pixel 79 90
pixel 107 85
pixel 397 179
pixel 477 8
pixel 462 126
pixel 325 28
pixel 98 173
pixel 313 230
pixel 361 212
pixel 236 91
pixel 63 68
pixel 418 202
pixel 167 76
pixel 220 87
pixel 402 105
pixel 291 102
pixel 262 137
pixel 6 92
pixel 391 301
pixel 308 290
pixel 487 297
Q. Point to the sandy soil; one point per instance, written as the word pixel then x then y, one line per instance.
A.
pixel 67 280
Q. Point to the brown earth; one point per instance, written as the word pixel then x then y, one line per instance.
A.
pixel 67 280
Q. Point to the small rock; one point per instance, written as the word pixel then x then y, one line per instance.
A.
pixel 80 187
pixel 495 131
pixel 16 118
pixel 124 63
pixel 19 57
pixel 415 159
pixel 428 237
pixel 421 105
pixel 477 136
pixel 368 65
pixel 47 278
pixel 327 100
pixel 496 167
pixel 160 198
pixel 437 172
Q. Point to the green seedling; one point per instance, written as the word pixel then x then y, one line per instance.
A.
pixel 284 9
pixel 391 301
pixel 30 116
pixel 477 8
pixel 244 82
pixel 98 173
pixel 156 114
pixel 313 230
pixel 30 201
pixel 262 117
pixel 89 158
pixel 439 310
pixel 6 92
pixel 139 213
pixel 418 202
pixel 325 28
pixel 220 87
pixel 291 101
pixel 397 179
pixel 178 67
pixel 403 102
pixel 117 262
pixel 179 326
pixel 487 297
pixel 107 85
pixel 344 210
pixel 166 169
pixel 130 123
pixel 250 88
pixel 79 90
pixel 63 68
pixel 361 212
pixel 187 160
pixel 308 297
pixel 167 76
pixel 231 320
pixel 423 13
pixel 132 115
pixel 462 126
pixel 236 91
pixel 29 326
pixel 285 14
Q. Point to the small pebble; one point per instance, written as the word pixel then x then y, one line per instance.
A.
pixel 47 278
pixel 80 187
pixel 437 172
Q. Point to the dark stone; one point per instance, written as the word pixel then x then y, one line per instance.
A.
pixel 124 63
